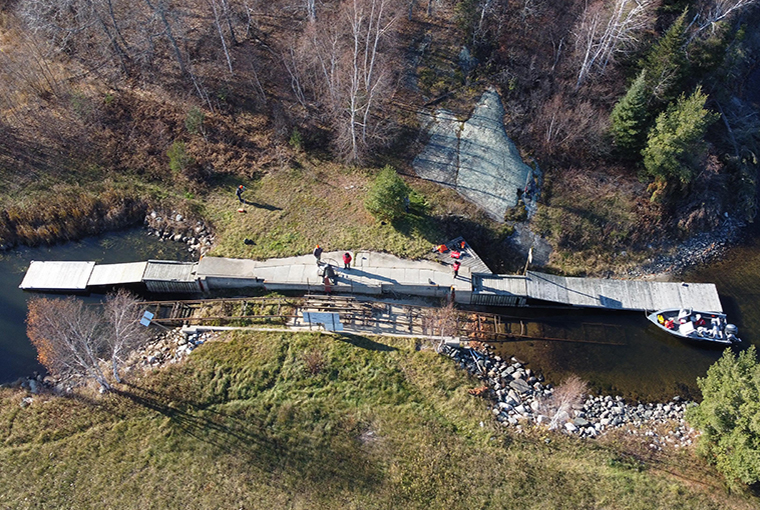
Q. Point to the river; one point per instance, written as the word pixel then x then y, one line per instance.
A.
pixel 17 356
pixel 634 358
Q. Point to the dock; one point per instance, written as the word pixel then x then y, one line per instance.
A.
pixel 373 274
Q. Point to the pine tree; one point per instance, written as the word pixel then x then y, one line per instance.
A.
pixel 630 119
pixel 388 197
pixel 676 140
pixel 666 65
pixel 728 416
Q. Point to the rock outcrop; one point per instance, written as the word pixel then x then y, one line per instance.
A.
pixel 476 157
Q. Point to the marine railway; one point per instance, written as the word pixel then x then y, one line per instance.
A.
pixel 378 294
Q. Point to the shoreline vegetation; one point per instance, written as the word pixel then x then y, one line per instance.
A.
pixel 321 421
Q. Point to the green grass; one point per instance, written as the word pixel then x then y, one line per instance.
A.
pixel 294 209
pixel 246 424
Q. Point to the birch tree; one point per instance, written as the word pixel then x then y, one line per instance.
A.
pixel 68 337
pixel 608 28
pixel 123 333
pixel 348 58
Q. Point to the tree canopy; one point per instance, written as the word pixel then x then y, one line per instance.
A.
pixel 388 197
pixel 676 140
pixel 630 119
pixel 729 416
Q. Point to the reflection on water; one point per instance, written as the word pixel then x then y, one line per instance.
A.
pixel 654 365
pixel 17 356
pixel 629 356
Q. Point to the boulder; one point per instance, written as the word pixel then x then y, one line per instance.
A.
pixel 520 386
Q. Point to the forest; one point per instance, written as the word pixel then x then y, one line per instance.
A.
pixel 640 113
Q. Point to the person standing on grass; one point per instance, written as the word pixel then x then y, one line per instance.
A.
pixel 457 265
pixel 239 193
pixel 346 260
pixel 317 253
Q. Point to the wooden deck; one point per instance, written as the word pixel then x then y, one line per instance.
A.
pixel 375 273
pixel 622 294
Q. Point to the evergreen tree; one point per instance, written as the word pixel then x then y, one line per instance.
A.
pixel 675 142
pixel 388 197
pixel 630 119
pixel 666 65
pixel 729 416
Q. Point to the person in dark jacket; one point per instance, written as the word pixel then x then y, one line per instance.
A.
pixel 346 260
pixel 239 193
pixel 317 253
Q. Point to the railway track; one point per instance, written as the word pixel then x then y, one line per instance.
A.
pixel 378 317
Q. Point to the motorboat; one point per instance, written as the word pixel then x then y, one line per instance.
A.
pixel 693 325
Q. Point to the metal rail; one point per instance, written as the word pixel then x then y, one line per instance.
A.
pixel 377 317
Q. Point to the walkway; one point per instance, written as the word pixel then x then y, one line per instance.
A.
pixel 374 273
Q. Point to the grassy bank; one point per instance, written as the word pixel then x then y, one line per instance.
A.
pixel 271 420
pixel 310 202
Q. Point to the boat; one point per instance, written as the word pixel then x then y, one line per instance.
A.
pixel 710 327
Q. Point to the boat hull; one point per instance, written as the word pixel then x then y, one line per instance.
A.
pixel 688 331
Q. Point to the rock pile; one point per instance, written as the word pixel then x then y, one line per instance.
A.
pixel 175 227
pixel 697 250
pixel 171 346
pixel 519 398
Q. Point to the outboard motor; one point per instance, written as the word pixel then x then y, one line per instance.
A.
pixel 731 332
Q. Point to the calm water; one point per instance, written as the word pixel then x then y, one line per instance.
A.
pixel 651 365
pixel 17 356
pixel 648 364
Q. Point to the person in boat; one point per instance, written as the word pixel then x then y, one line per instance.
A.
pixel 716 331
pixel 699 321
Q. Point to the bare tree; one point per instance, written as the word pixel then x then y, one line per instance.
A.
pixel 606 29
pixel 346 57
pixel 712 12
pixel 68 337
pixel 124 332
pixel 559 406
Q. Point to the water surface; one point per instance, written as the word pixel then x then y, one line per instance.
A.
pixel 17 356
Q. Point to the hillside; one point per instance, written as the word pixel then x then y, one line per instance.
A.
pixel 109 108
pixel 272 420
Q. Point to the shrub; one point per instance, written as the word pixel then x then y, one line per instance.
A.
pixel 179 159
pixel 194 120
pixel 729 416
pixel 388 197
pixel 296 140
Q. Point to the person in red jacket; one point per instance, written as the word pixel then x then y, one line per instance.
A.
pixel 457 265
pixel 346 260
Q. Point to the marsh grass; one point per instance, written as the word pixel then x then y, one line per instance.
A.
pixel 249 423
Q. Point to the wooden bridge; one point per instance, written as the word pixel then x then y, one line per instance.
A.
pixel 376 317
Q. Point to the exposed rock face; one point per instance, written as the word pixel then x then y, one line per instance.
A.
pixel 476 157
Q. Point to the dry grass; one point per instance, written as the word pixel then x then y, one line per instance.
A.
pixel 244 424
pixel 596 221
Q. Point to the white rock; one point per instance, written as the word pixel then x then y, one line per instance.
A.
pixel 570 427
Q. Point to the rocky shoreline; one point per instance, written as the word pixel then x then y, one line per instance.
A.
pixel 519 399
pixel 697 250
pixel 176 227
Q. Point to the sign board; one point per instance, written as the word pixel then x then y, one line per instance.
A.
pixel 146 318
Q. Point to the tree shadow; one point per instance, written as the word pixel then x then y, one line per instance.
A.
pixel 365 343
pixel 267 446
